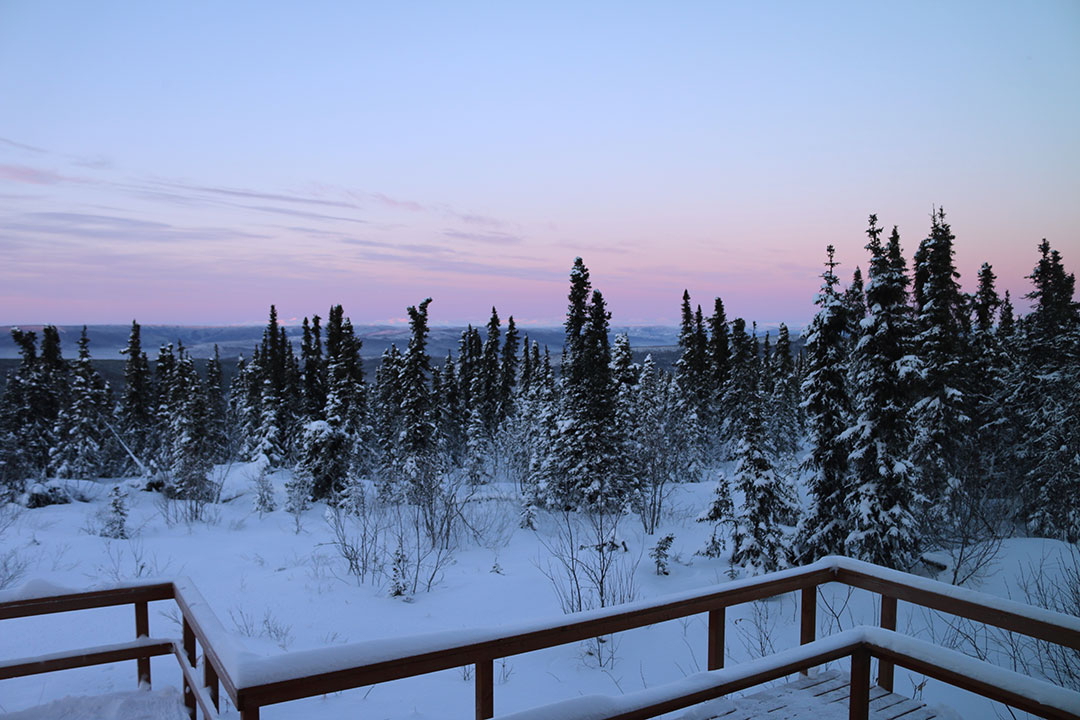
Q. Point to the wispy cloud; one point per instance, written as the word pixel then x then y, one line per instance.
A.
pixel 258 195
pixel 108 227
pixel 31 176
pixel 490 238
pixel 23 146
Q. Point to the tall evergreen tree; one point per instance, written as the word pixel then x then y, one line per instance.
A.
pixel 580 474
pixel 217 409
pixel 388 418
pixel 84 447
pixel 136 415
pixel 882 488
pixel 509 368
pixel 313 369
pixel 941 413
pixel 758 534
pixel 783 421
pixel 1048 395
pixel 192 447
pixel 826 525
pixel 419 459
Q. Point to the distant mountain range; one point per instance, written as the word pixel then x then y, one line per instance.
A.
pixel 106 341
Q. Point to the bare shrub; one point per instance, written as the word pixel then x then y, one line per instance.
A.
pixel 358 531
pixel 13 562
pixel 1053 584
pixel 132 563
pixel 588 566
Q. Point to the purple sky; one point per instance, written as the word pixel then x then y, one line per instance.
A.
pixel 194 162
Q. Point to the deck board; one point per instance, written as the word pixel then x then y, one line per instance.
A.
pixel 819 696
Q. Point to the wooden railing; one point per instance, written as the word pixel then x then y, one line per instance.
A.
pixel 252 683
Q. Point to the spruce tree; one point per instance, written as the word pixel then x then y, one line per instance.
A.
pixel 451 417
pixel 136 415
pixel 580 474
pixel 114 521
pixel 192 447
pixel 84 444
pixel 882 487
pixel 719 376
pixel 759 542
pixel 388 418
pixel 313 369
pixel 419 459
pixel 509 369
pixel 994 418
pixel 217 409
pixel 941 414
pixel 1048 398
pixel 783 421
pixel 164 394
pixel 826 526
pixel 22 425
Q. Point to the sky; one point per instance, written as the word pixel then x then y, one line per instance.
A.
pixel 193 162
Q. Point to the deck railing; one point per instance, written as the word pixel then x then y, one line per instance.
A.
pixel 252 683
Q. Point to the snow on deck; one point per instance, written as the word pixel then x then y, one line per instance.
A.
pixel 821 696
pixel 163 704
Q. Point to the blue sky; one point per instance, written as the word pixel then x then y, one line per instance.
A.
pixel 194 162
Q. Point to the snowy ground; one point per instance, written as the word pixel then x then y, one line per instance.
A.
pixel 279 590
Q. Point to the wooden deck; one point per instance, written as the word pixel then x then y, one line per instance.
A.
pixel 821 696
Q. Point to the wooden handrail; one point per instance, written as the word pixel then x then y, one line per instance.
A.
pixel 1005 614
pixel 1034 696
pixel 255 682
pixel 111 597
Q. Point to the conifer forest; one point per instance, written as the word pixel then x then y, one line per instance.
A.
pixel 917 418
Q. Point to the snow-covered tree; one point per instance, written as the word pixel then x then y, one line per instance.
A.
pixel 418 460
pixel 583 461
pixel 84 447
pixel 940 415
pixel 114 519
pixel 136 414
pixel 825 527
pixel 192 447
pixel 882 495
pixel 1048 394
pixel 758 536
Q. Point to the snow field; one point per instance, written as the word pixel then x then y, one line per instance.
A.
pixel 278 591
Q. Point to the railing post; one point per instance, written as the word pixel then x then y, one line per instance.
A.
pixel 716 638
pixel 485 689
pixel 859 703
pixel 808 624
pixel 251 713
pixel 189 650
pixel 888 622
pixel 142 629
pixel 210 680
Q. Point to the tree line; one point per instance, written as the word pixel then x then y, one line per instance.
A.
pixel 915 413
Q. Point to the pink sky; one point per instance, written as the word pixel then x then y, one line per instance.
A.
pixel 193 164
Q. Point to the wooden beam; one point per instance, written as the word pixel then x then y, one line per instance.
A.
pixel 197 694
pixel 980 687
pixel 886 670
pixel 717 620
pixel 808 621
pixel 189 683
pixel 86 600
pixel 859 702
pixel 944 602
pixel 551 635
pixel 142 629
pixel 85 657
pixel 485 689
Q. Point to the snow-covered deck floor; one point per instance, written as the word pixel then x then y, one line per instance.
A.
pixel 821 696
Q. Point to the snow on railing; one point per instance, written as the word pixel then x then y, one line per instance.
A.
pixel 252 681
